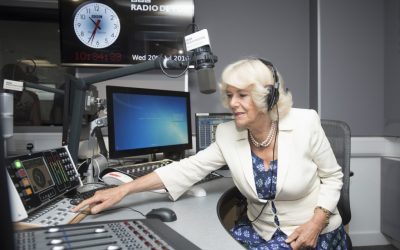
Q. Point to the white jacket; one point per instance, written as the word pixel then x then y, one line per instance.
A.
pixel 308 173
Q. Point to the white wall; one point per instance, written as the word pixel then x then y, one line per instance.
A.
pixel 365 188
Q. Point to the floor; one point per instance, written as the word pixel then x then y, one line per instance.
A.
pixel 386 247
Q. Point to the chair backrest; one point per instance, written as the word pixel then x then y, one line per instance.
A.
pixel 339 136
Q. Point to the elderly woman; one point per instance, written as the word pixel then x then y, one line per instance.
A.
pixel 279 158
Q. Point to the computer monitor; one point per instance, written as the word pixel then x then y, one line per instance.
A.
pixel 206 125
pixel 147 121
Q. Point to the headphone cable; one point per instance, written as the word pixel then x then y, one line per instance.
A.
pixel 273 158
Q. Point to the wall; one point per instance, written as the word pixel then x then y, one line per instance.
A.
pixel 359 85
pixel 392 64
pixel 365 188
pixel 275 30
pixel 352 64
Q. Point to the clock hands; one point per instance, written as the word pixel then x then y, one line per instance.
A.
pixel 97 26
pixel 91 19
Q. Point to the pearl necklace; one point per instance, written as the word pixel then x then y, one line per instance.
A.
pixel 267 141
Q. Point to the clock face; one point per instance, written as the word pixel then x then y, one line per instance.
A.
pixel 96 25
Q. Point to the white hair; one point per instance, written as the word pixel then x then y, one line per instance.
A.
pixel 253 72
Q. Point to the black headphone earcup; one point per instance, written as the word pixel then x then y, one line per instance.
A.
pixel 270 102
pixel 272 97
pixel 273 93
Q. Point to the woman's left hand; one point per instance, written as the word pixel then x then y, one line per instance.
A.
pixel 305 236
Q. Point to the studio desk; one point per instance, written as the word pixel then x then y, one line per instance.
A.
pixel 197 217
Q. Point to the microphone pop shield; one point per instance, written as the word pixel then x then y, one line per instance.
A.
pixel 206 80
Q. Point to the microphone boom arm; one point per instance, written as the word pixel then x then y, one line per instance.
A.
pixel 80 85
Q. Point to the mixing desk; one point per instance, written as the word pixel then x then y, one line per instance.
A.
pixel 111 235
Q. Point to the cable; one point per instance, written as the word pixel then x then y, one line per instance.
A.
pixel 113 209
pixel 95 183
pixel 80 165
pixel 28 72
pixel 196 28
pixel 273 158
pixel 178 75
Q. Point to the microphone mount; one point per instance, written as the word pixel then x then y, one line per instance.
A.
pixel 203 58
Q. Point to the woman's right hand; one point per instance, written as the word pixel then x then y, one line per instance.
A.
pixel 103 199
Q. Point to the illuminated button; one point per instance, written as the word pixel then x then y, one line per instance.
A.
pixel 58 248
pixel 99 230
pixel 113 247
pixel 25 182
pixel 17 164
pixel 27 191
pixel 53 230
pixel 21 173
pixel 56 241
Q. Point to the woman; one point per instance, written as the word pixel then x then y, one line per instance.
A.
pixel 280 160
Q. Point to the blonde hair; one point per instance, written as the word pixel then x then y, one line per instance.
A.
pixel 253 72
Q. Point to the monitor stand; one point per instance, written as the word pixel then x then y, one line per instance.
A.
pixel 175 156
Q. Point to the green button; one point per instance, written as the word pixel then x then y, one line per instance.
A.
pixel 17 164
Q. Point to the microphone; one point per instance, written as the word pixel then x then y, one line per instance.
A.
pixel 204 64
pixel 203 60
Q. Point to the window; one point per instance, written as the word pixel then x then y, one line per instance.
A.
pixel 29 55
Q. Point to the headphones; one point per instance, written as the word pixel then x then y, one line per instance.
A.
pixel 273 95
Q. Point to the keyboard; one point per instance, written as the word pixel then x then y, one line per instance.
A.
pixel 210 177
pixel 140 169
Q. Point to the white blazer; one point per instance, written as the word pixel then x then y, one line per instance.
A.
pixel 308 173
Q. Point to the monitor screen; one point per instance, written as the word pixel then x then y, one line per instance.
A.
pixel 147 121
pixel 122 32
pixel 206 125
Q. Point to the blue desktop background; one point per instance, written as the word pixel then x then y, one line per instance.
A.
pixel 144 121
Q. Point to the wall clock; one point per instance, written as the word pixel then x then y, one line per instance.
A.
pixel 96 25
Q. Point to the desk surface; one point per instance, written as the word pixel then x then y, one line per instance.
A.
pixel 197 218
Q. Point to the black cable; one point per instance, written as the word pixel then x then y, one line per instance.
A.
pixel 188 57
pixel 178 75
pixel 28 72
pixel 196 28
pixel 113 209
pixel 273 158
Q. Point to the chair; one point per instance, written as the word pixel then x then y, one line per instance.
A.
pixel 339 136
pixel 232 204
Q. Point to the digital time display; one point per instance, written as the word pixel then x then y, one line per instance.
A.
pixel 84 56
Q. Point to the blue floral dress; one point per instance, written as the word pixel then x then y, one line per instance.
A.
pixel 266 189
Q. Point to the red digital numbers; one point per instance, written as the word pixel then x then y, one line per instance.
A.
pixel 97 57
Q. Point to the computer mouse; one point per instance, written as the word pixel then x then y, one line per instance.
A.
pixel 197 191
pixel 116 178
pixel 164 214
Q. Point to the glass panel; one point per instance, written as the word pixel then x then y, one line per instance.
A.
pixel 29 55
